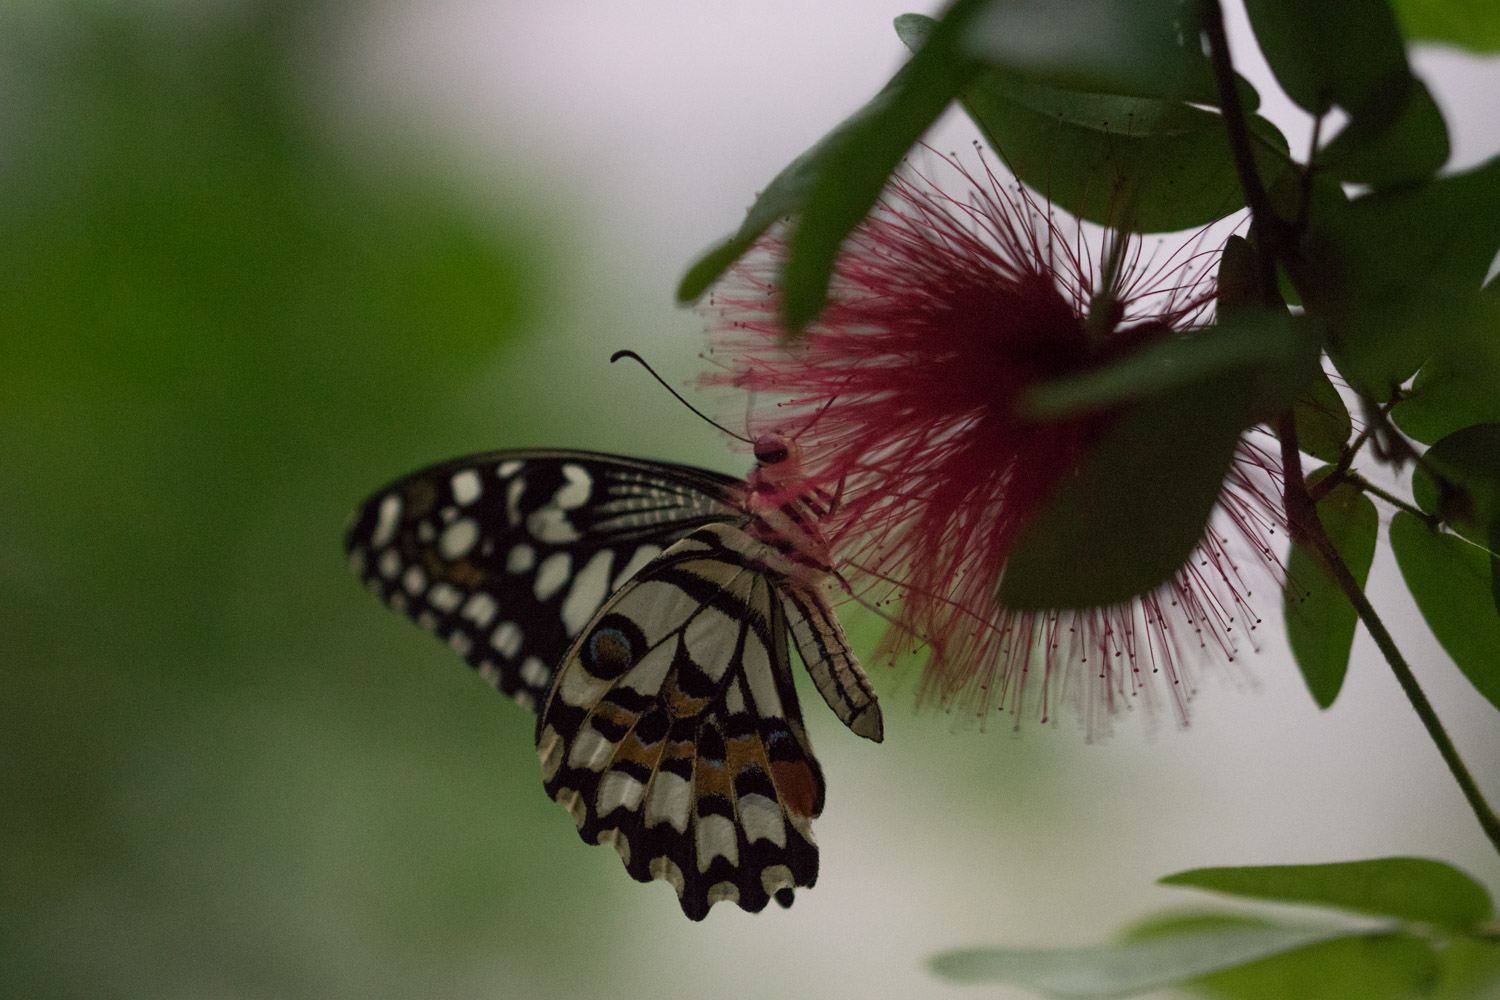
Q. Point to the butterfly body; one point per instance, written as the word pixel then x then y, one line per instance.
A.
pixel 668 722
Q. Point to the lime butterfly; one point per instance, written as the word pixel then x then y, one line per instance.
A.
pixel 643 610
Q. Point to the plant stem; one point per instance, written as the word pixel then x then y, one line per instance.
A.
pixel 1308 531
pixel 1368 487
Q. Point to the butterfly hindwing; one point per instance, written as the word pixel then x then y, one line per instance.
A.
pixel 673 732
pixel 507 554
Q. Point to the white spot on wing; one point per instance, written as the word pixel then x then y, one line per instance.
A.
pixel 520 559
pixel 507 639
pixel 722 892
pixel 575 492
pixel 710 639
pixel 578 687
pixel 445 597
pixel 509 468
pixel 534 672
pixel 480 609
pixel 734 698
pixel 385 524
pixel 591 751
pixel 670 798
pixel 551 525
pixel 758 675
pixel 551 575
pixel 513 500
pixel 716 836
pixel 390 564
pixel 466 487
pixel 666 869
pixel 590 587
pixel 618 790
pixel 638 561
pixel 761 819
pixel 549 748
pixel 774 878
pixel 415 581
pixel 458 538
pixel 461 643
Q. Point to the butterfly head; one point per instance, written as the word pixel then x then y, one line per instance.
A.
pixel 774 448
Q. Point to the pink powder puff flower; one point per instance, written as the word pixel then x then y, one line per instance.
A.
pixel 943 313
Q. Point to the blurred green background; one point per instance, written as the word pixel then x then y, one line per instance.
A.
pixel 229 308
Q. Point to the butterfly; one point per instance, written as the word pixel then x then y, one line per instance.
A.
pixel 644 611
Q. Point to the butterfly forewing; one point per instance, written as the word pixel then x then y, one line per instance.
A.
pixel 506 555
pixel 673 731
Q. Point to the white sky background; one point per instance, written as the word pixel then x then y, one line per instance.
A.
pixel 647 127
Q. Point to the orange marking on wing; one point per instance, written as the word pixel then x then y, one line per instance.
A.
pixel 798 788
pixel 465 574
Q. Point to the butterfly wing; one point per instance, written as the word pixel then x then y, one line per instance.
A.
pixel 673 731
pixel 507 554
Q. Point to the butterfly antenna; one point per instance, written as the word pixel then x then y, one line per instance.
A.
pixel 636 357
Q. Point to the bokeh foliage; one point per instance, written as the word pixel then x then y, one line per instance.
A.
pixel 216 335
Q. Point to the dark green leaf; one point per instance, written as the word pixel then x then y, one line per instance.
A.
pixel 1127 520
pixel 856 162
pixel 1453 583
pixel 1159 165
pixel 1352 55
pixel 1319 618
pixel 839 177
pixel 1264 349
pixel 1471 24
pixel 1416 889
pixel 1323 424
pixel 1121 970
pixel 1408 148
pixel 1147 48
pixel 1459 480
pixel 1239 276
pixel 1397 274
pixel 1460 385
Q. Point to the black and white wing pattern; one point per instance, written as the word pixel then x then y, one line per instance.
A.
pixel 673 733
pixel 507 555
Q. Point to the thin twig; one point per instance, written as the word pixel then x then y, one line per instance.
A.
pixel 1307 531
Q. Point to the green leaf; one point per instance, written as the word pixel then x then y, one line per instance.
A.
pixel 1397 274
pixel 1453 584
pixel 1460 385
pixel 1468 969
pixel 1352 55
pixel 853 168
pixel 1320 620
pixel 1131 515
pixel 1147 48
pixel 1416 889
pixel 1408 148
pixel 1468 497
pixel 1470 24
pixel 1161 165
pixel 1371 967
pixel 1239 276
pixel 833 184
pixel 1263 348
pixel 1323 424
pixel 1125 969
